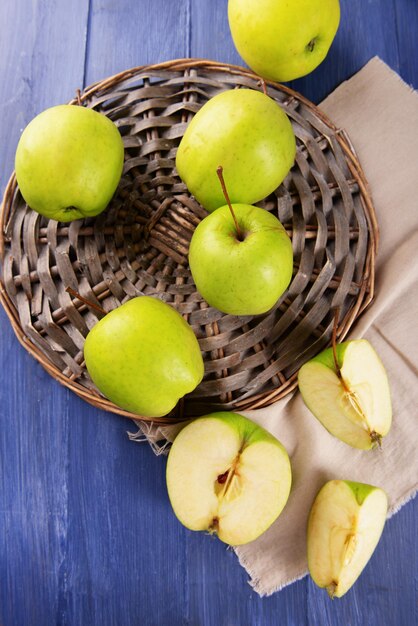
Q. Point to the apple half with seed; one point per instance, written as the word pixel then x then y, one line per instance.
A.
pixel 228 476
pixel 348 391
pixel 344 527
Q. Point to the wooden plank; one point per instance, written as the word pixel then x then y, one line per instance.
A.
pixel 220 593
pixel 210 36
pixel 33 515
pixel 406 20
pixel 36 51
pixel 42 63
pixel 126 34
pixel 126 559
pixel 127 554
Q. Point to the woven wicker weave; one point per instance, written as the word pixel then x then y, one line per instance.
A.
pixel 139 245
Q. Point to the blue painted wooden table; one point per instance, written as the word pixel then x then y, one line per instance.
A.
pixel 87 535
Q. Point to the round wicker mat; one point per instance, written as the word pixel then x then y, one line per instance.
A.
pixel 139 245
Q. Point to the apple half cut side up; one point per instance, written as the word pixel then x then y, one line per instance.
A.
pixel 345 524
pixel 228 476
pixel 353 403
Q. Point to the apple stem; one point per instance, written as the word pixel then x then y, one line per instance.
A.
pixel 331 589
pixel 351 395
pixel 334 344
pixel 376 439
pixel 219 172
pixel 227 478
pixel 90 304
pixel 78 95
pixel 213 528
pixel 227 482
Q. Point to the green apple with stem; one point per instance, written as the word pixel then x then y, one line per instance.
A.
pixel 229 476
pixel 347 389
pixel 345 524
pixel 283 39
pixel 241 258
pixel 69 161
pixel 246 131
pixel 144 356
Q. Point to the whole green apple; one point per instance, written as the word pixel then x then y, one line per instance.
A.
pixel 241 273
pixel 144 356
pixel 353 402
pixel 229 476
pixel 283 39
pixel 345 524
pixel 69 162
pixel 247 133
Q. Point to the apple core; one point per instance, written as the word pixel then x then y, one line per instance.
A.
pixel 228 476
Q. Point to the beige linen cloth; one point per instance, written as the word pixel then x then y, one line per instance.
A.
pixel 380 114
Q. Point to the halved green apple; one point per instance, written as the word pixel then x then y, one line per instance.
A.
pixel 229 476
pixel 352 400
pixel 344 527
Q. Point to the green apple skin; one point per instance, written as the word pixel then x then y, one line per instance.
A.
pixel 365 376
pixel 144 357
pixel 249 135
pixel 345 524
pixel 69 161
pixel 253 464
pixel 241 277
pixel 283 39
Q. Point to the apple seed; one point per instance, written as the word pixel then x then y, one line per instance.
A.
pixel 222 477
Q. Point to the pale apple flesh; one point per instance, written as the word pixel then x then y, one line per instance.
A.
pixel 354 403
pixel 344 527
pixel 228 476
